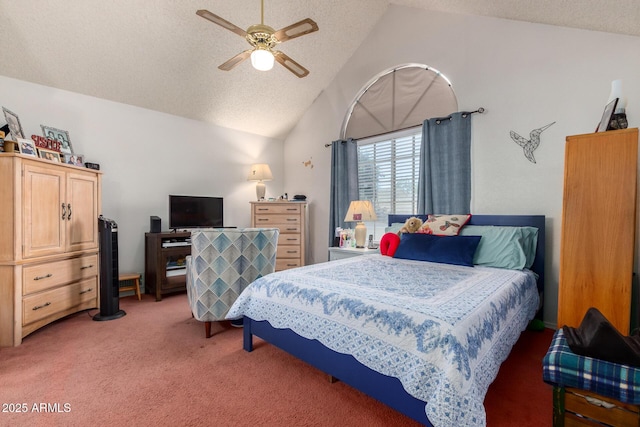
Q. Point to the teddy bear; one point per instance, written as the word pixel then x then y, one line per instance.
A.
pixel 411 225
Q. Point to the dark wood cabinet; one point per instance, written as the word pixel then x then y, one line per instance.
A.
pixel 165 262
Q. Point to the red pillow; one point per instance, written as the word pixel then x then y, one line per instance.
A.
pixel 389 243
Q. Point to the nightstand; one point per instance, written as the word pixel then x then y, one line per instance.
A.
pixel 341 253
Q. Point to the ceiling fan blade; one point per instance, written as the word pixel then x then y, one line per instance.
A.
pixel 222 22
pixel 290 64
pixel 236 60
pixel 298 29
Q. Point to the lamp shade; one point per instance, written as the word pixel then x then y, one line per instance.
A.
pixel 360 210
pixel 262 59
pixel 260 172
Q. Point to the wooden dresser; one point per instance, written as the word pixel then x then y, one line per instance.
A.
pixel 48 243
pixel 598 227
pixel 291 219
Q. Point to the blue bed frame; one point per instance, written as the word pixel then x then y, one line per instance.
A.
pixel 345 367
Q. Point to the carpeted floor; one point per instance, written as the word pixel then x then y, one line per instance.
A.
pixel 153 367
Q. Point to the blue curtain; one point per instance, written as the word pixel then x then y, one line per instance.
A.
pixel 344 182
pixel 444 185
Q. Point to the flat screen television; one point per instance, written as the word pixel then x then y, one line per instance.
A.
pixel 195 212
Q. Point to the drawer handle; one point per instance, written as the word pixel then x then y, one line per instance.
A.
pixel 46 276
pixel 38 307
pixel 292 265
pixel 292 239
pixel 292 219
pixel 69 209
pixel 291 229
pixel 263 209
pixel 84 267
pixel 64 211
pixel 292 252
pixel 85 291
pixel 292 209
pixel 263 219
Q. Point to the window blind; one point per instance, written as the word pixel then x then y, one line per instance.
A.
pixel 388 167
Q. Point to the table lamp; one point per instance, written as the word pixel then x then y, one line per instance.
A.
pixel 260 172
pixel 360 211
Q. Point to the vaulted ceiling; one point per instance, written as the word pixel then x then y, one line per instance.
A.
pixel 158 54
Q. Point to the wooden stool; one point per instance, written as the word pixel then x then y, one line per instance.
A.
pixel 136 283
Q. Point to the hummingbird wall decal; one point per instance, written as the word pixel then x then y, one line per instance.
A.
pixel 529 145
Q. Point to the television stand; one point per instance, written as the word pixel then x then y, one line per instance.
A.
pixel 165 262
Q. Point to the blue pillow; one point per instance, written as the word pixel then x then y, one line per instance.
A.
pixel 458 250
pixel 504 246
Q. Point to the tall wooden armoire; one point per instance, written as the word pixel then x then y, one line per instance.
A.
pixel 598 227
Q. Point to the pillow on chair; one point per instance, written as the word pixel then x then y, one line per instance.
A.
pixel 599 339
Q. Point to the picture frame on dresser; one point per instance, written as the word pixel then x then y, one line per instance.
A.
pixel 59 135
pixel 73 159
pixel 15 128
pixel 47 154
pixel 606 116
pixel 27 146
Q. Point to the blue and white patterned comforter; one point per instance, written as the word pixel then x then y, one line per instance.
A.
pixel 442 330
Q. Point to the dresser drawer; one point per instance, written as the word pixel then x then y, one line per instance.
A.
pixel 289 228
pixel 36 278
pixel 285 264
pixel 43 304
pixel 277 220
pixel 289 239
pixel 286 251
pixel 277 209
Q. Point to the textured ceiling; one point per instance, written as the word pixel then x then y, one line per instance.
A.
pixel 158 54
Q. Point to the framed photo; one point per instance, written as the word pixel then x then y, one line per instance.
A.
pixel 27 146
pixel 606 116
pixel 74 159
pixel 15 128
pixel 62 136
pixel 44 153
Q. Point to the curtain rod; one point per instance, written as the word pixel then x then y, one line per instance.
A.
pixel 479 111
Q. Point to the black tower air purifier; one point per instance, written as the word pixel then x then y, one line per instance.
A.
pixel 109 294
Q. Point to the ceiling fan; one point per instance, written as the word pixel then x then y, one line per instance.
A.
pixel 263 39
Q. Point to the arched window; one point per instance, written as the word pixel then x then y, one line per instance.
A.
pixel 399 98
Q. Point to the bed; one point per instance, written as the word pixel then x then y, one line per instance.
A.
pixel 425 338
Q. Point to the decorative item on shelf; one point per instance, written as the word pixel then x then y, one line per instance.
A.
pixel 10 146
pixel 74 159
pixel 15 128
pixel 26 146
pixel 94 166
pixel 615 116
pixel 62 136
pixel 1 140
pixel 606 116
pixel 347 239
pixel 47 143
pixel 260 172
pixel 360 211
pixel 51 155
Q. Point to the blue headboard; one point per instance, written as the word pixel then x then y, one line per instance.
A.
pixel 537 221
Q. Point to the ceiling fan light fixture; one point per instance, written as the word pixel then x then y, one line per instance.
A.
pixel 262 59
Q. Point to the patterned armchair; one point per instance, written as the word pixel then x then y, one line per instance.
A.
pixel 223 262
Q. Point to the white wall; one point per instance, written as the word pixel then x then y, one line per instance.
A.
pixel 145 156
pixel 524 75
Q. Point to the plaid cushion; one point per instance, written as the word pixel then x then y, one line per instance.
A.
pixel 563 368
